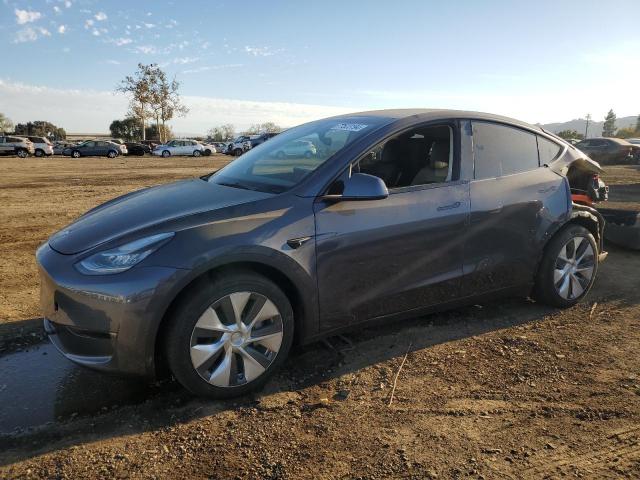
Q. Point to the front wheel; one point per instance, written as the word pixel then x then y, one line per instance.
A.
pixel 568 268
pixel 22 153
pixel 112 154
pixel 237 152
pixel 39 153
pixel 166 153
pixel 75 154
pixel 229 336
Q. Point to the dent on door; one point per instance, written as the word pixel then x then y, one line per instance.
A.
pixel 381 257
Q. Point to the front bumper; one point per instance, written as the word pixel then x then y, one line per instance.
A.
pixel 104 322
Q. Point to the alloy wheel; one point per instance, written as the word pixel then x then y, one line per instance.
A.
pixel 574 268
pixel 236 339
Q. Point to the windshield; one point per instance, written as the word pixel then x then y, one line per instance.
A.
pixel 286 159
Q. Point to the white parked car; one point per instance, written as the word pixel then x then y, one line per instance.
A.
pixel 209 149
pixel 179 147
pixel 42 146
pixel 297 148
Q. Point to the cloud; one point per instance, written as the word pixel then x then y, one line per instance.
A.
pixel 259 51
pixel 88 23
pixel 119 42
pixel 56 9
pixel 26 16
pixel 100 16
pixel 113 62
pixel 30 34
pixel 146 49
pixel 206 68
pixel 149 25
pixel 62 29
pixel 68 108
pixel 67 3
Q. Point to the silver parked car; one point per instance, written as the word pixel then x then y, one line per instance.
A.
pixel 20 146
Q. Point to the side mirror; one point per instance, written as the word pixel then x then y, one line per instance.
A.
pixel 361 186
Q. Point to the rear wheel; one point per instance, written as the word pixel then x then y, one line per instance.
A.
pixel 112 154
pixel 228 337
pixel 197 153
pixel 39 153
pixel 568 268
pixel 22 153
pixel 237 152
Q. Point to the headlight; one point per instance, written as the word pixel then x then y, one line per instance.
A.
pixel 123 257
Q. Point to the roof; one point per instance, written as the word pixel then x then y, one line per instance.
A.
pixel 426 114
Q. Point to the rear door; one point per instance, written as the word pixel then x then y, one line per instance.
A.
pixel 514 201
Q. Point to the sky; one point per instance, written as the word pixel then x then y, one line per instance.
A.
pixel 245 62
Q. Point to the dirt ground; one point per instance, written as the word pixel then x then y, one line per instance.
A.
pixel 509 389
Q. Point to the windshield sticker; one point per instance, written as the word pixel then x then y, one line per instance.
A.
pixel 349 127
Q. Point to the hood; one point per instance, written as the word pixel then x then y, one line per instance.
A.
pixel 145 208
pixel 576 158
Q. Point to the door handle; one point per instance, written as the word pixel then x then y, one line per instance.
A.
pixel 448 207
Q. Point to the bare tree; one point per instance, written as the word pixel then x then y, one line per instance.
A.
pixel 266 127
pixel 222 133
pixel 139 87
pixel 6 125
pixel 166 100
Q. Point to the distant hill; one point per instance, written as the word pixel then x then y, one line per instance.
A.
pixel 595 128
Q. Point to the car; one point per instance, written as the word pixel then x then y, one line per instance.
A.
pixel 608 150
pixel 59 146
pixel 209 148
pixel 179 147
pixel 633 141
pixel 238 146
pixel 42 146
pixel 95 148
pixel 150 143
pixel 139 149
pixel 221 147
pixel 399 213
pixel 299 148
pixel 13 145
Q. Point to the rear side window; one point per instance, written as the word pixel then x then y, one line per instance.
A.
pixel 548 150
pixel 501 150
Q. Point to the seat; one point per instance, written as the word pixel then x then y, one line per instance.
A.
pixel 437 169
pixel 388 168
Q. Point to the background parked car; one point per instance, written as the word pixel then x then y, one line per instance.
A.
pixel 150 143
pixel 20 146
pixel 95 148
pixel 179 147
pixel 42 146
pixel 138 149
pixel 299 148
pixel 608 150
pixel 209 148
pixel 59 146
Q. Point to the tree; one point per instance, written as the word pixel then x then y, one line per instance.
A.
pixel 139 87
pixel 155 131
pixel 628 132
pixel 41 128
pixel 267 127
pixel 6 125
pixel 223 133
pixel 166 101
pixel 128 129
pixel 609 127
pixel 570 134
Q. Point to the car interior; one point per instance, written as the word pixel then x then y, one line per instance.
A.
pixel 418 157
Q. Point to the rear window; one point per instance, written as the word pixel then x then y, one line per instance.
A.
pixel 502 150
pixel 547 150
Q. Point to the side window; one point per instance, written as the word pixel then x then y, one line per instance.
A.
pixel 502 150
pixel 421 156
pixel 547 150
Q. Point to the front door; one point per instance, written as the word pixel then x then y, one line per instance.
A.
pixel 402 253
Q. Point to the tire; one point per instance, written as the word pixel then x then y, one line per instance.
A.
pixel 39 153
pixel 566 273
pixel 166 153
pixel 197 153
pixel 207 152
pixel 214 376
pixel 237 152
pixel 112 154
pixel 76 154
pixel 22 153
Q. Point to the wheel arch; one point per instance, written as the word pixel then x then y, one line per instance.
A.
pixel 305 315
